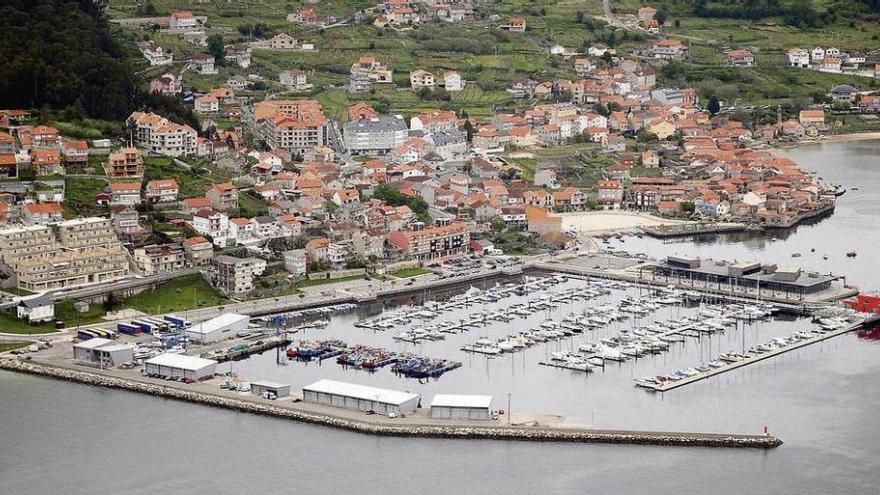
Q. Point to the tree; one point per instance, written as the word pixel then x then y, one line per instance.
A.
pixel 469 130
pixel 714 105
pixel 688 206
pixel 216 47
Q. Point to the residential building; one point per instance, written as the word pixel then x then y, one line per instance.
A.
pixel 182 20
pixel 166 84
pixel 155 54
pixel 419 79
pixel 233 277
pixel 291 125
pixel 207 104
pixel 799 57
pixel 515 24
pixel 739 58
pixel 160 135
pixel 452 81
pixel 294 79
pixel 75 153
pixel 669 49
pixel 41 213
pixel 199 251
pixel 36 309
pixel 432 243
pixel 240 54
pixel 378 135
pixel 125 163
pixel 203 63
pixel 296 262
pixel 610 193
pixel 162 191
pixel 224 197
pixel 68 254
pixel 125 193
pixel 46 162
pixel 156 259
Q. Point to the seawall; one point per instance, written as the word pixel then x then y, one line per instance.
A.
pixel 536 434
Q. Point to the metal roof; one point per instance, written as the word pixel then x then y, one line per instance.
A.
pixel 216 323
pixel 268 384
pixel 364 392
pixel 181 361
pixel 456 400
pixel 93 343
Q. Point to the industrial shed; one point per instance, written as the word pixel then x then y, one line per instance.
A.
pixel 280 390
pixel 180 366
pixel 217 329
pixel 360 397
pixel 102 352
pixel 471 407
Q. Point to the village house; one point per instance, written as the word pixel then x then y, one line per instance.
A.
pixel 75 153
pixel 799 57
pixel 162 191
pixel 125 163
pixel 183 20
pixel 46 162
pixel 294 80
pixel 160 135
pixel 452 81
pixel 419 79
pixel 739 58
pixel 610 194
pixel 41 213
pixel 202 63
pixel 155 54
pixel 239 54
pixel 515 24
pixel 125 193
pixel 166 84
pixel 669 49
pixel 207 104
pixel 223 197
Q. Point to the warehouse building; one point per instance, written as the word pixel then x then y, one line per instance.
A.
pixel 180 366
pixel 280 390
pixel 217 329
pixel 102 352
pixel 360 397
pixel 471 407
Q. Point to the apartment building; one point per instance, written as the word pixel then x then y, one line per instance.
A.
pixel 432 243
pixel 377 136
pixel 232 276
pixel 156 259
pixel 68 254
pixel 125 163
pixel 159 135
pixel 292 125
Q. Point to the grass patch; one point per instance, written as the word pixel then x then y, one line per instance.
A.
pixel 79 196
pixel 249 206
pixel 11 346
pixel 193 182
pixel 18 292
pixel 324 281
pixel 180 294
pixel 410 272
pixel 64 311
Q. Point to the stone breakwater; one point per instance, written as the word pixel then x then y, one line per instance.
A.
pixel 537 434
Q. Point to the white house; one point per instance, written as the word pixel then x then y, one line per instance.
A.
pixel 452 81
pixel 799 57
pixel 36 309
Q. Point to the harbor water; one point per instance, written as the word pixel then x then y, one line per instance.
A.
pixel 821 400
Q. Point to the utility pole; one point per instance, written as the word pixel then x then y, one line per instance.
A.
pixel 508 409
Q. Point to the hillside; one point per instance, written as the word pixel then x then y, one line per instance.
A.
pixel 60 53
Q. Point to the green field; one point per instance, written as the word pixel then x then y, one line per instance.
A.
pixel 193 182
pixel 410 272
pixel 64 311
pixel 180 294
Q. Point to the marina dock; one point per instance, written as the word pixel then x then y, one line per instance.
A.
pixel 756 358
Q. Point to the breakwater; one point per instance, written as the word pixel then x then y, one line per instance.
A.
pixel 401 428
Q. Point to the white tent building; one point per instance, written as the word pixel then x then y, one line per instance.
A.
pixel 219 328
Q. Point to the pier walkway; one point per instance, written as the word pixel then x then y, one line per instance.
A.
pixel 755 358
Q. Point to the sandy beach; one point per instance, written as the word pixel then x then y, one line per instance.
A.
pixel 596 222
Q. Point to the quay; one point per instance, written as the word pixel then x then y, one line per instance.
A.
pixel 758 357
pixel 244 350
pixel 380 425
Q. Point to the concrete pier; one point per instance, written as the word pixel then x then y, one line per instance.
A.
pixel 342 418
